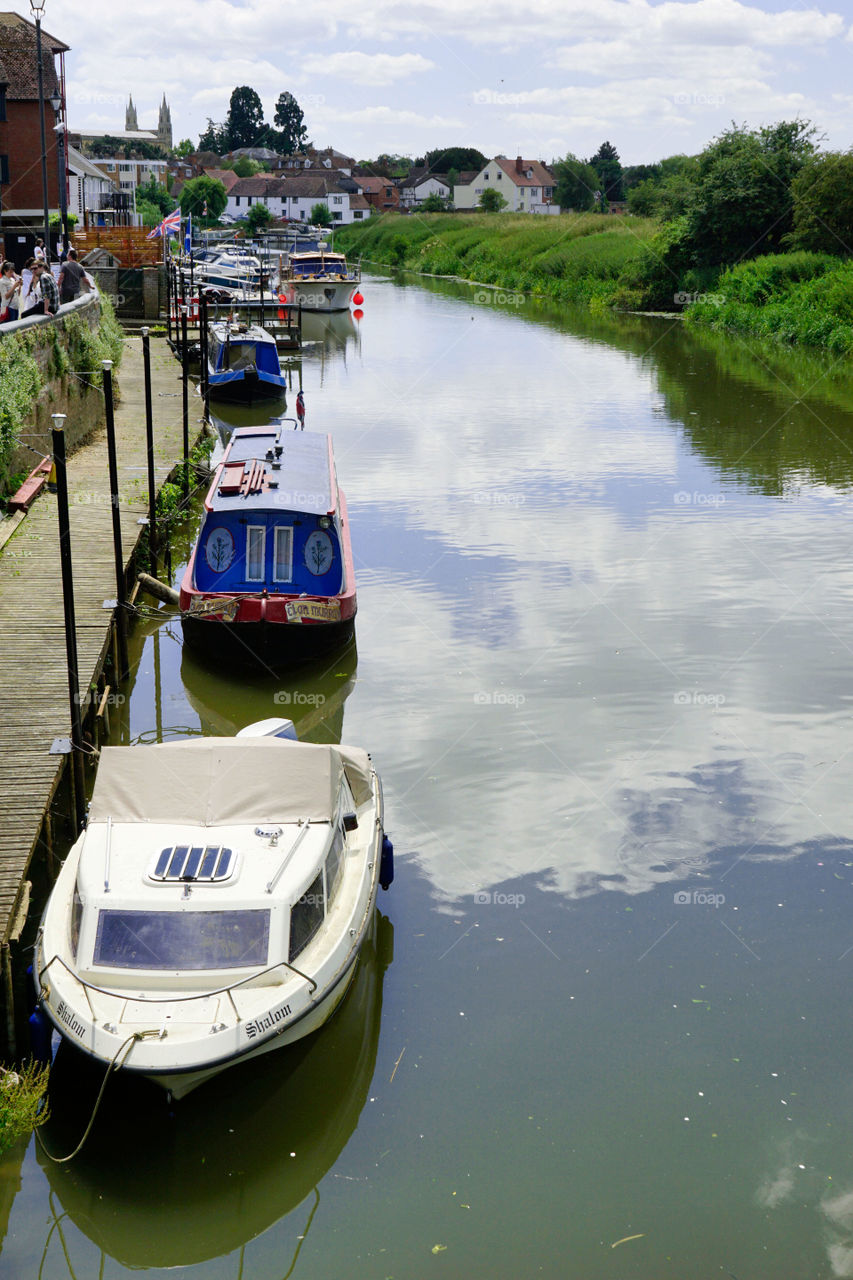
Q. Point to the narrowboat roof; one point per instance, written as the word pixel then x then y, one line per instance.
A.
pixel 223 331
pixel 274 468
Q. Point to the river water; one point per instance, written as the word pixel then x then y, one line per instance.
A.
pixel 604 640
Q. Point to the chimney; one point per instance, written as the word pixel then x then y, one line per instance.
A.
pixel 518 164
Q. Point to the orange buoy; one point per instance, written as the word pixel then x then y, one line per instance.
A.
pixel 357 299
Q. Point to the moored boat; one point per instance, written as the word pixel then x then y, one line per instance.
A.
pixel 270 579
pixel 243 363
pixel 215 905
pixel 317 278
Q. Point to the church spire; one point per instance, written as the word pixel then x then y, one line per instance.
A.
pixel 130 121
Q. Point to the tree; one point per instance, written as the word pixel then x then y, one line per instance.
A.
pixel 491 201
pixel 320 215
pixel 245 118
pixel 203 197
pixel 608 166
pixel 292 135
pixel 214 138
pixel 151 192
pixel 258 217
pixel 823 204
pixel 183 149
pixel 741 203
pixel 434 203
pixel 244 167
pixel 150 214
pixel 454 158
pixel 575 184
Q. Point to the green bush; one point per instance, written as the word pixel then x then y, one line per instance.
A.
pixel 21 1105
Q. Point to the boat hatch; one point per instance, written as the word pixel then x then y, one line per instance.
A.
pixel 198 864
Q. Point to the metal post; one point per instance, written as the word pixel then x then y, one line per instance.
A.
pixel 38 10
pixel 121 592
pixel 168 303
pixel 205 351
pixel 149 438
pixel 70 624
pixel 185 377
pixel 63 187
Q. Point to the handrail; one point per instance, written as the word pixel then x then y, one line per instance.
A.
pixel 274 881
pixel 199 995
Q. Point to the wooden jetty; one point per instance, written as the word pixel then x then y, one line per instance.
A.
pixel 33 675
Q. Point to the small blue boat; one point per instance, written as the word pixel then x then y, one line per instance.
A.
pixel 243 363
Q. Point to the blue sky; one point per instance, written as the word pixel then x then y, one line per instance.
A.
pixel 542 77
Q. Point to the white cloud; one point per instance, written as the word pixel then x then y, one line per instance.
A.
pixel 367 68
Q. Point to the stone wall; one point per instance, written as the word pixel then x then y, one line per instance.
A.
pixel 82 404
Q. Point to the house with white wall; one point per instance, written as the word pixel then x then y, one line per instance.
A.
pixel 294 196
pixel 86 185
pixel 419 184
pixel 526 185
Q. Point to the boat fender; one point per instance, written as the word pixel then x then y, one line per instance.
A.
pixel 386 865
pixel 40 1036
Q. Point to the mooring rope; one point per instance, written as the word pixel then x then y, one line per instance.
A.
pixel 126 1045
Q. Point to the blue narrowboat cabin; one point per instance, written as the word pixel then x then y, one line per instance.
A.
pixel 270 579
pixel 243 363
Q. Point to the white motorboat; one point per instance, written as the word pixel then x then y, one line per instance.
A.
pixel 214 907
pixel 317 278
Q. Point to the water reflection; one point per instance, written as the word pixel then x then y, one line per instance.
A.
pixel 232 1160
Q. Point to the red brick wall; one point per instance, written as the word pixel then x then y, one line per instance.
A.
pixel 20 140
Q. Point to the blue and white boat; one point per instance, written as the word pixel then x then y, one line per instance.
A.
pixel 243 363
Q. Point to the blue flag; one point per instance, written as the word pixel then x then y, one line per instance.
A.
pixel 188 235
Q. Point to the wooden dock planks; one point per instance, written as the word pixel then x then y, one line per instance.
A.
pixel 33 674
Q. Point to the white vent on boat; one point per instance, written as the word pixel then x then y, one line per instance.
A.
pixel 194 864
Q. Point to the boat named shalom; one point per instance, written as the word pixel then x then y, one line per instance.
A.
pixel 317 278
pixel 243 363
pixel 214 907
pixel 271 579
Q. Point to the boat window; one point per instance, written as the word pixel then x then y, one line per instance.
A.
pixel 240 355
pixel 334 864
pixel 306 916
pixel 182 939
pixel 76 917
pixel 283 554
pixel 255 540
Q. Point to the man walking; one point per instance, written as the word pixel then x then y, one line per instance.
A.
pixel 70 277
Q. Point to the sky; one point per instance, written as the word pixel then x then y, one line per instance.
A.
pixel 540 78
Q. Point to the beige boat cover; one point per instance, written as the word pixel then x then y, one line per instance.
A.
pixel 225 781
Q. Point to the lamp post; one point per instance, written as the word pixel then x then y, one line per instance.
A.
pixel 59 130
pixel 37 7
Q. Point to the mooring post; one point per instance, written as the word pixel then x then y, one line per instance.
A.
pixel 78 776
pixel 185 378
pixel 121 590
pixel 149 439
pixel 9 1001
pixel 204 337
pixel 169 303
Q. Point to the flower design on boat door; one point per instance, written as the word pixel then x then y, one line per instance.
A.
pixel 319 553
pixel 219 549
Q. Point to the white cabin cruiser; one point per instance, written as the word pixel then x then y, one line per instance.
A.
pixel 214 907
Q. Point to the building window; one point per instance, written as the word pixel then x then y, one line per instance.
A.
pixel 4 169
pixel 358 213
pixel 236 202
pixel 124 168
pixel 111 168
pixel 337 216
pixel 337 199
pixel 498 175
pixel 255 539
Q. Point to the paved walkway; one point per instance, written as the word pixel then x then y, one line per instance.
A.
pixel 33 675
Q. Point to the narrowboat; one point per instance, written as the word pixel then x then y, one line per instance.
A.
pixel 243 363
pixel 215 905
pixel 270 580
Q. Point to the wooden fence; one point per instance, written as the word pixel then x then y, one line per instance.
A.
pixel 129 244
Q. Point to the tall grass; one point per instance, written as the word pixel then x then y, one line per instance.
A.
pixel 798 298
pixel 571 258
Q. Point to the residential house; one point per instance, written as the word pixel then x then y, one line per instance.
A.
pixel 21 191
pixel 420 183
pixel 526 185
pixel 127 171
pixel 328 158
pixel 295 195
pixel 90 192
pixel 380 193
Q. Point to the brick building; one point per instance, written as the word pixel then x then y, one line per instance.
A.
pixel 20 142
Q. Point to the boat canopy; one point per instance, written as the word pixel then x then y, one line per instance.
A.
pixel 227 781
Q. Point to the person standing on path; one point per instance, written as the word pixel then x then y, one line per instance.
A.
pixel 48 291
pixel 70 277
pixel 10 284
pixel 39 253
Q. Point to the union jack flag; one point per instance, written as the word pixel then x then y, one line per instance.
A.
pixel 171 226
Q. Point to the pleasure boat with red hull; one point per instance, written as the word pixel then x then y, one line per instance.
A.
pixel 270 580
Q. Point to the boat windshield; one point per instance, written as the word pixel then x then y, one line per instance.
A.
pixel 182 939
pixel 239 355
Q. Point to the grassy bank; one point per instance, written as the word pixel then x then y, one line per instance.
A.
pixel 796 298
pixel 571 258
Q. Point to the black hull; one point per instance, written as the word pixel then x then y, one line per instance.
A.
pixel 265 645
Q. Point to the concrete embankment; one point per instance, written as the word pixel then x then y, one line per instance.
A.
pixel 33 675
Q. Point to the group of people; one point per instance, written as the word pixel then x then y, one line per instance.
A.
pixel 44 295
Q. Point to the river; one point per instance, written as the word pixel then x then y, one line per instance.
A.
pixel 603 661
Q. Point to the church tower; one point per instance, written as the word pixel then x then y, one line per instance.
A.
pixel 130 122
pixel 164 125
